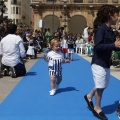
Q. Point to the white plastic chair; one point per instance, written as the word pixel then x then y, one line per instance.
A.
pixel 82 48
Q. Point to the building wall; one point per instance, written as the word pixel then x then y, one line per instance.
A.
pixel 85 8
pixel 24 11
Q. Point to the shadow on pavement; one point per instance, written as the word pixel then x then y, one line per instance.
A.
pixel 110 108
pixel 67 89
pixel 30 73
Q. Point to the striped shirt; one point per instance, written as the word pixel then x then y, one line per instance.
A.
pixel 55 61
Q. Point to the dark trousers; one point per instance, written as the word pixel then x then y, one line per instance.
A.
pixel 18 69
pixel 0 63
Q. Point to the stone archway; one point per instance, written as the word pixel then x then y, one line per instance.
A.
pixel 51 22
pixel 77 24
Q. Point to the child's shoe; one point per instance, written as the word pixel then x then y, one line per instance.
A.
pixel 52 92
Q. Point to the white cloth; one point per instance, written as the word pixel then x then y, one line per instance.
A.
pixel 12 49
pixel 101 76
pixel 70 50
pixel 55 61
pixel 52 56
pixel 64 43
pixel 85 33
pixel 77 43
pixel 30 50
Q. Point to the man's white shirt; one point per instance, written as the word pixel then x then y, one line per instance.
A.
pixel 12 49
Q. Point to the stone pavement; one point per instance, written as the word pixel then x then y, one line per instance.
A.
pixel 7 83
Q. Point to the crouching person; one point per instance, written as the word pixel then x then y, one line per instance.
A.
pixel 12 53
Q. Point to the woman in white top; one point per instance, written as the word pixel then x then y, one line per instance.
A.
pixel 64 46
pixel 85 34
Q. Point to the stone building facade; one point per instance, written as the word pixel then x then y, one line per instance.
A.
pixel 73 15
pixel 19 12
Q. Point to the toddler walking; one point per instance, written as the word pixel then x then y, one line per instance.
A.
pixel 55 59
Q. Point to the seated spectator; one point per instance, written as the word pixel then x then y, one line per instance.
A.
pixel 30 51
pixel 13 51
pixel 78 42
pixel 26 39
pixel 70 42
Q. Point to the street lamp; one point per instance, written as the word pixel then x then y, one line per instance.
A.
pixel 53 16
pixel 66 16
pixel 2 10
pixel 65 19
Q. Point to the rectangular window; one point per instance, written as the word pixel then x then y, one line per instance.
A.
pixel 13 10
pixel 16 2
pixel 102 1
pixel 17 10
pixel 78 1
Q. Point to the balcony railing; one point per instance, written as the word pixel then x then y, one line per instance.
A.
pixel 90 1
pixel 51 0
pixel 102 1
pixel 79 1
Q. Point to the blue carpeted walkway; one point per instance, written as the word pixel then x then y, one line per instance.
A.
pixel 30 99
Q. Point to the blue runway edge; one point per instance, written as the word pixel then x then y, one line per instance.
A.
pixel 30 99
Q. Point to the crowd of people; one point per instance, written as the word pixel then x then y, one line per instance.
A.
pixel 15 46
pixel 27 44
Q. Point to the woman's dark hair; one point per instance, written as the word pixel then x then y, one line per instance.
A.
pixel 12 29
pixel 103 15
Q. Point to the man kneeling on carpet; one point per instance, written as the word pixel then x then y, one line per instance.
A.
pixel 12 53
pixel 55 58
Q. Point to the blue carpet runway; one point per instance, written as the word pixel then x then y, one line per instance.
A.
pixel 30 99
